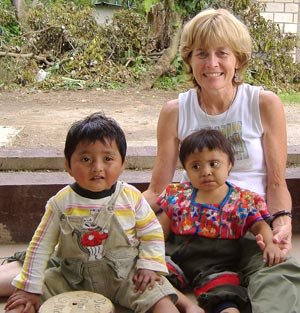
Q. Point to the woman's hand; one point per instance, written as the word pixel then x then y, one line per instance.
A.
pixel 21 297
pixel 282 234
pixel 282 230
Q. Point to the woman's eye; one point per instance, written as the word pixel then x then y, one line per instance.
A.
pixel 201 54
pixel 223 53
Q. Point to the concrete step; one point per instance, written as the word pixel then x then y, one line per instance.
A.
pixel 29 177
pixel 24 195
pixel 141 157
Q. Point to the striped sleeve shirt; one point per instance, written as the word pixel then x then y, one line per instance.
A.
pixel 134 214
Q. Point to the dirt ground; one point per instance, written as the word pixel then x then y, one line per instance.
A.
pixel 43 118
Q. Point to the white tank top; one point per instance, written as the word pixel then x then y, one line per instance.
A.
pixel 242 125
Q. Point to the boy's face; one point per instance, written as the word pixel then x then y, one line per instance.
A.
pixel 208 170
pixel 96 166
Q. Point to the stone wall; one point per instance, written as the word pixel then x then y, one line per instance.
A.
pixel 286 13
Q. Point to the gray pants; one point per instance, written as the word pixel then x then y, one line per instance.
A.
pixel 273 289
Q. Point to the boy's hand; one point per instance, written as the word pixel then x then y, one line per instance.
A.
pixel 273 254
pixel 21 297
pixel 145 278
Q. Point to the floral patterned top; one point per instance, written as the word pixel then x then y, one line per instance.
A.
pixel 231 219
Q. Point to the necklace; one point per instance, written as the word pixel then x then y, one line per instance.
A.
pixel 229 106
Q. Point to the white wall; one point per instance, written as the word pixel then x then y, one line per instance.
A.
pixel 104 11
pixel 286 13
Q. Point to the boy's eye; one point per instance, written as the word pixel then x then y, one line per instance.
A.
pixel 196 166
pixel 85 159
pixel 108 158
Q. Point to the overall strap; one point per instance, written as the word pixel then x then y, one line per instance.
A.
pixel 104 216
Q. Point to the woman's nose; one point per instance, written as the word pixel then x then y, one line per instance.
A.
pixel 212 60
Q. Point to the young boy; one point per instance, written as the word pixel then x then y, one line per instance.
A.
pixel 107 237
pixel 207 216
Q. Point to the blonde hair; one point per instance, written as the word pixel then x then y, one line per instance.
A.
pixel 215 27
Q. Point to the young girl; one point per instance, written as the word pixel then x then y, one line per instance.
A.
pixel 208 216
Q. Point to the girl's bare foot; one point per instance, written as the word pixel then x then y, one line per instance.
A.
pixel 194 308
pixel 230 310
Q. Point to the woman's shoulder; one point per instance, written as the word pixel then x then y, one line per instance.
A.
pixel 169 111
pixel 265 96
pixel 182 98
pixel 268 97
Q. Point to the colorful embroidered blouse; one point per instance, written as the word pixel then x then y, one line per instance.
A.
pixel 231 219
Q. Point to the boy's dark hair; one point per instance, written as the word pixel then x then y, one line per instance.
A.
pixel 92 128
pixel 209 138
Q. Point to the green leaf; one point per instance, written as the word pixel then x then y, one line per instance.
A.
pixel 148 4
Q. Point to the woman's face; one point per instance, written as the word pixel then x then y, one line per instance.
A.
pixel 213 67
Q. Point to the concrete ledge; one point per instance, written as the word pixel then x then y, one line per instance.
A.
pixel 293 155
pixel 24 195
pixel 52 159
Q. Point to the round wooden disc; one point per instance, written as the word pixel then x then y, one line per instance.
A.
pixel 77 301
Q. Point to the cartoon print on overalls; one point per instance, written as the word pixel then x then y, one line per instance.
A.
pixel 93 238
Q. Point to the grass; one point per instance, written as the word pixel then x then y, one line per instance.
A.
pixel 290 98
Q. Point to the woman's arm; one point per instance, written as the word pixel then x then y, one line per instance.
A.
pixel 167 152
pixel 165 223
pixel 275 153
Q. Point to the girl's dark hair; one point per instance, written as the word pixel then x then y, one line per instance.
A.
pixel 92 128
pixel 209 138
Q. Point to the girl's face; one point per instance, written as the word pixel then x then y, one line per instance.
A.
pixel 213 67
pixel 95 166
pixel 208 170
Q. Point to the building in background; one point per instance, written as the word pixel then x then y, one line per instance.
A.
pixel 286 13
pixel 104 10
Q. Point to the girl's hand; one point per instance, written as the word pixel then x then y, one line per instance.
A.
pixel 282 235
pixel 273 254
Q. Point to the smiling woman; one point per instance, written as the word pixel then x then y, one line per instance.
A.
pixel 216 47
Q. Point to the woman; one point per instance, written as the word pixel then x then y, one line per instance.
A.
pixel 216 48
